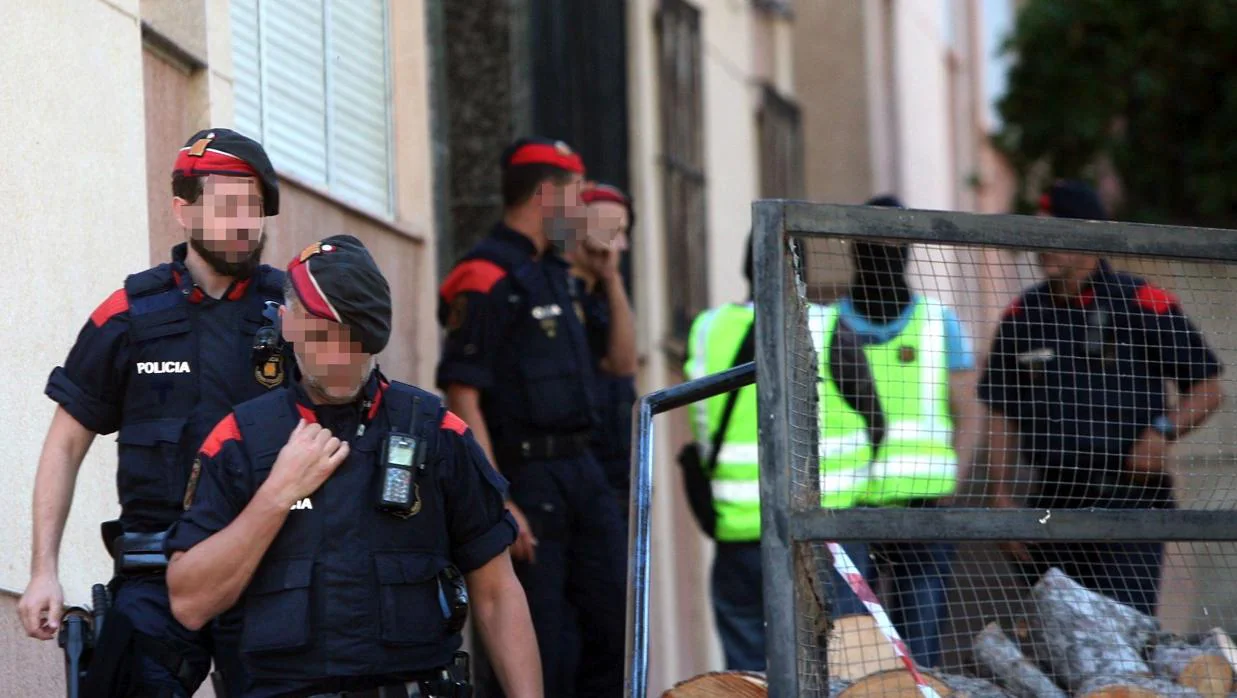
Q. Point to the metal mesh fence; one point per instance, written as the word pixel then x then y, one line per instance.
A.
pixel 931 390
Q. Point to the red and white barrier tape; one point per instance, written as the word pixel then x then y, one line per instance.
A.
pixel 854 579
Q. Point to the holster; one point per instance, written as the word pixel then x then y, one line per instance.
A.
pixel 456 679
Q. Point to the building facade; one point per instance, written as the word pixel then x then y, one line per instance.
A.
pixel 110 90
pixel 386 119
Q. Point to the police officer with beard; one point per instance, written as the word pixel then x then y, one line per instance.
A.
pixel 159 362
pixel 516 366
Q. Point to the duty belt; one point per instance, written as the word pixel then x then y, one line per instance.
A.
pixel 545 447
pixel 453 681
pixel 411 689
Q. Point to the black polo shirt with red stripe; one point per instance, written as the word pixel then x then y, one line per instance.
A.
pixel 1084 378
pixel 198 379
pixel 479 525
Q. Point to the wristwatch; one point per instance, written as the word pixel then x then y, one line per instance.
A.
pixel 1164 425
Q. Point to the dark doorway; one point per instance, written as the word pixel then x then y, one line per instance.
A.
pixel 579 64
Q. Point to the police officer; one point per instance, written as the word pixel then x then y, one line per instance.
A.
pixel 345 512
pixel 516 367
pixel 137 369
pixel 1075 384
pixel 727 501
pixel 611 328
pixel 727 505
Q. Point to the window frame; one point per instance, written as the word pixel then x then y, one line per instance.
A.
pixel 386 212
pixel 680 61
pixel 780 123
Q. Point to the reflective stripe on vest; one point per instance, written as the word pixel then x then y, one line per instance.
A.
pixel 714 340
pixel 916 460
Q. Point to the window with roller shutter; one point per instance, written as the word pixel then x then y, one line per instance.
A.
pixel 312 82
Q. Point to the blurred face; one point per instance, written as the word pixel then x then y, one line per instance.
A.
pixel 225 224
pixel 565 217
pixel 334 366
pixel 880 262
pixel 1066 267
pixel 607 225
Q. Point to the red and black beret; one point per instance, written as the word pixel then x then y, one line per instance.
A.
pixel 223 151
pixel 337 279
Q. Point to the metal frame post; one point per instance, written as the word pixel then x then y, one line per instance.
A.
pixel 773 406
pixel 640 531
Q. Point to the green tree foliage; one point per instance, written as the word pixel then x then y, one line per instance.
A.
pixel 1147 85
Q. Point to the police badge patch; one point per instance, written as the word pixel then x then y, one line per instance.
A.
pixel 192 487
pixel 457 313
pixel 270 373
pixel 416 504
pixel 906 354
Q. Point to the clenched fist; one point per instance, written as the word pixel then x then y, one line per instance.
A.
pixel 304 463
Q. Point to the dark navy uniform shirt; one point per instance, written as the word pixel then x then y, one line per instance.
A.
pixel 1083 380
pixel 464 501
pixel 513 333
pixel 615 395
pixel 165 392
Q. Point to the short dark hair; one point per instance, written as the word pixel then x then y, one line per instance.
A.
pixel 188 187
pixel 289 292
pixel 521 181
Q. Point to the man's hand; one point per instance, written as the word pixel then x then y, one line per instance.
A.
pixel 524 549
pixel 600 259
pixel 1014 549
pixel 304 463
pixel 1149 456
pixel 41 606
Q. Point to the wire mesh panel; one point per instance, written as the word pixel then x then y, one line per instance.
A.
pixel 996 458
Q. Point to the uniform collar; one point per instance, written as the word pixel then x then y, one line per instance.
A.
pixel 510 236
pixel 1097 279
pixel 184 280
pixel 369 402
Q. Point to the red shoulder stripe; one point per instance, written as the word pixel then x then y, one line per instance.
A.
pixel 451 422
pixel 1013 309
pixel 1155 299
pixel 471 275
pixel 225 431
pixel 115 304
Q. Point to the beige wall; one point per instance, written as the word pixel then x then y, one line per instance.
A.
pixel 72 229
pixel 414 193
pixel 742 48
pixel 923 118
pixel 831 81
pixel 104 109
pixel 168 88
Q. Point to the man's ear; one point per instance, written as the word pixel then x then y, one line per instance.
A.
pixel 178 210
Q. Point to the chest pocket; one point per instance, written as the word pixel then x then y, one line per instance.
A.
pixel 412 604
pixel 150 466
pixel 548 336
pixel 277 607
pixel 162 315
